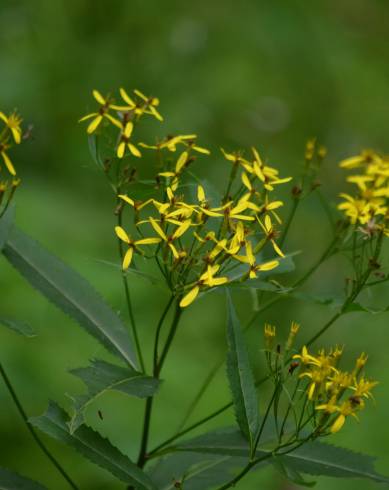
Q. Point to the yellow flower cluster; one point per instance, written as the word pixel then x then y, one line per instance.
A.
pixel 10 133
pixel 337 394
pixel 198 242
pixel 126 115
pixel 369 205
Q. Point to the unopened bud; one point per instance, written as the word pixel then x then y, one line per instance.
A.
pixel 270 333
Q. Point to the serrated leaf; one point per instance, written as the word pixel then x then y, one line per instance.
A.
pixel 101 377
pixel 70 292
pixel 240 377
pixel 314 458
pixel 329 300
pixel 195 471
pixel 18 327
pixel 6 224
pixel 13 481
pixel 322 459
pixel 227 441
pixel 92 446
pixel 336 302
pixel 352 307
pixel 290 473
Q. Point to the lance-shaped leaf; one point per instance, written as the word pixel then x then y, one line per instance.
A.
pixel 69 291
pixel 93 143
pixel 101 377
pixel 313 458
pixel 17 326
pixel 6 223
pixel 13 481
pixel 93 447
pixel 194 471
pixel 240 377
pixel 318 458
pixel 290 474
pixel 227 441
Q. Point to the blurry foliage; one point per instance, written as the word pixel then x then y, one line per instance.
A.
pixel 261 72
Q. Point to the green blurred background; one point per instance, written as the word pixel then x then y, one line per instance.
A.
pixel 269 73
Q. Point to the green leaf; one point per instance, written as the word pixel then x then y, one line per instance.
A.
pixel 13 481
pixel 314 458
pixel 240 377
pixel 101 377
pixel 352 307
pixel 227 441
pixel 93 447
pixel 155 281
pixel 329 300
pixel 290 473
pixel 286 264
pixel 335 302
pixel 322 459
pixel 19 327
pixel 195 471
pixel 93 143
pixel 70 292
pixel 6 224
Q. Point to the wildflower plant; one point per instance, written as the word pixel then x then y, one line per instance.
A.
pixel 197 240
pixel 10 135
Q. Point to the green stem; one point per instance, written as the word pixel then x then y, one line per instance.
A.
pixel 172 332
pixel 259 435
pixel 244 472
pixel 190 428
pixel 158 332
pixel 157 368
pixel 289 220
pixel 216 368
pixel 129 303
pixel 32 430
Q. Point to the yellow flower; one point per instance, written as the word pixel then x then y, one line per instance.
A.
pixel 270 234
pixel 125 142
pixel 362 387
pixel 268 175
pixel 270 334
pixel 171 142
pixel 360 362
pixel 318 377
pixel 169 239
pixel 237 159
pixel 97 117
pixel 364 158
pixel 13 122
pixel 181 163
pixel 132 245
pixel 232 211
pixel 294 328
pixel 151 104
pixel 249 258
pixel 206 279
pixel 305 357
pixel 347 408
pixel 137 205
pixel 6 159
pixel 339 381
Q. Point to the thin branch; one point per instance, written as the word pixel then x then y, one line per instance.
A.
pixel 32 431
